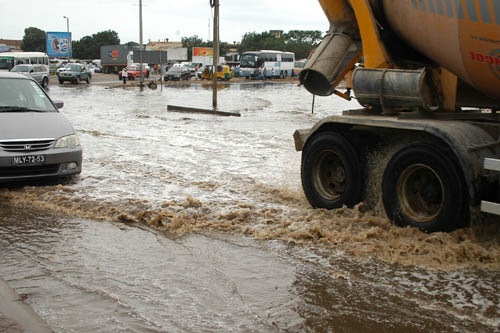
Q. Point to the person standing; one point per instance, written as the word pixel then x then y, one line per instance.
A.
pixel 124 75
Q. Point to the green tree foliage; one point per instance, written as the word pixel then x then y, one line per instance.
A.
pixel 132 44
pixel 34 40
pixel 193 41
pixel 89 47
pixel 252 41
pixel 300 42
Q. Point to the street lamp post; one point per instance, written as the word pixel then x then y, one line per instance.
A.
pixel 140 42
pixel 67 35
pixel 215 53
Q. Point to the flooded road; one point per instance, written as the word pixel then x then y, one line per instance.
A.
pixel 189 222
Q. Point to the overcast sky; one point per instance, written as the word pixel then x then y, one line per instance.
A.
pixel 161 18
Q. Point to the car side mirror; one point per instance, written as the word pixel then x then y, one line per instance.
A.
pixel 59 104
pixel 32 70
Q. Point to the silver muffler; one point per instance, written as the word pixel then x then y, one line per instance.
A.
pixel 333 58
pixel 393 89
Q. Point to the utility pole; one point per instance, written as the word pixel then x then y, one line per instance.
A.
pixel 215 52
pixel 140 42
pixel 67 36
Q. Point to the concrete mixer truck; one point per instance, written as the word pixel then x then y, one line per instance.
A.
pixel 427 75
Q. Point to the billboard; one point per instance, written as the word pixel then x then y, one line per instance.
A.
pixel 58 44
pixel 203 52
pixel 177 54
pixel 151 57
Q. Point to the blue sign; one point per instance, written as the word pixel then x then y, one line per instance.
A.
pixel 58 44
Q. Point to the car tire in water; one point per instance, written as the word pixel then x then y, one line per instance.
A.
pixel 331 172
pixel 45 82
pixel 422 187
pixel 61 81
pixel 88 79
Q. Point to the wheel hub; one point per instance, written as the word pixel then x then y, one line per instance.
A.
pixel 329 175
pixel 421 193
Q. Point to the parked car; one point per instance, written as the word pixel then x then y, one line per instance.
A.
pixel 134 72
pixel 74 73
pixel 60 69
pixel 36 140
pixel 39 73
pixel 178 73
pixel 94 68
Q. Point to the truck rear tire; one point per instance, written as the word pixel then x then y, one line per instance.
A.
pixel 422 188
pixel 331 172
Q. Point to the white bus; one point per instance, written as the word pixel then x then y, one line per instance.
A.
pixel 9 59
pixel 299 66
pixel 276 64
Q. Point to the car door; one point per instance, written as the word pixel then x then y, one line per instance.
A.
pixel 84 73
pixel 37 74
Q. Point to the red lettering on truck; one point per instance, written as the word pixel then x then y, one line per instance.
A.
pixel 490 60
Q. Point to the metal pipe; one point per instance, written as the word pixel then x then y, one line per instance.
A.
pixel 67 36
pixel 140 42
pixel 215 53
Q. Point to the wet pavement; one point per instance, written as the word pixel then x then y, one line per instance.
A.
pixel 196 223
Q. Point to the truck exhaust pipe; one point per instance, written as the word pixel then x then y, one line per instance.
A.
pixel 334 57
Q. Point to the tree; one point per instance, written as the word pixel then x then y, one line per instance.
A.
pixel 252 41
pixel 34 40
pixel 132 44
pixel 89 47
pixel 304 36
pixel 108 37
pixel 300 42
pixel 190 42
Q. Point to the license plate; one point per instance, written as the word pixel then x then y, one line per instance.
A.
pixel 28 160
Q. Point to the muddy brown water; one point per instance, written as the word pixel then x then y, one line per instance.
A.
pixel 193 223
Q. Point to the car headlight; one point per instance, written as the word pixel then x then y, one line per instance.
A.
pixel 70 141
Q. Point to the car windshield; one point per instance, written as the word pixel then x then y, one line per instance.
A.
pixel 73 68
pixel 17 95
pixel 21 68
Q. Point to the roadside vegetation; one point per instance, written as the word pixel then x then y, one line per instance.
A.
pixel 300 42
